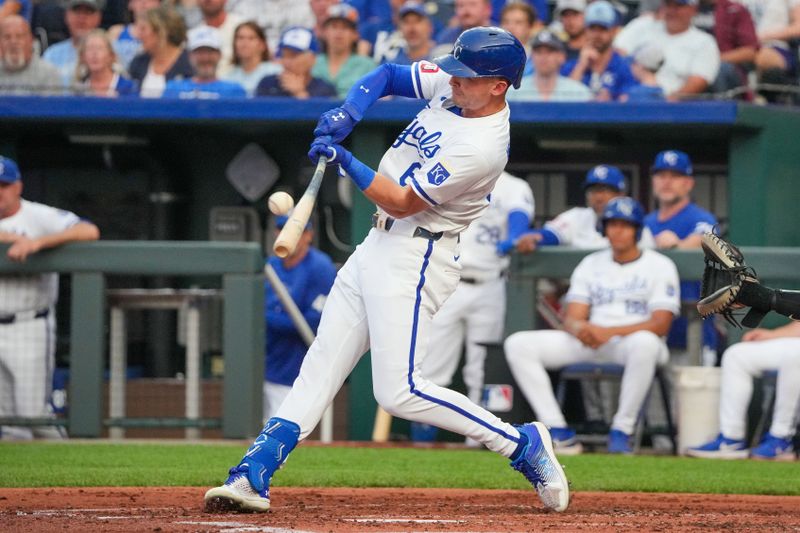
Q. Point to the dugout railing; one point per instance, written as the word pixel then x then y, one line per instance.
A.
pixel 240 267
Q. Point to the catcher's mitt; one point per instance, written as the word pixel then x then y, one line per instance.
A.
pixel 724 276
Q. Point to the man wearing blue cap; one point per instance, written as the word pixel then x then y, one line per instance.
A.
pixel 27 304
pixel 416 29
pixel 297 53
pixel 433 181
pixel 679 223
pixel 598 66
pixel 308 275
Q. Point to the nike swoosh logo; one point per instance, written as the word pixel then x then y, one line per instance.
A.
pixel 456 257
pixel 723 447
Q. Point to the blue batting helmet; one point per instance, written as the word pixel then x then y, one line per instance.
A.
pixel 607 175
pixel 624 208
pixel 485 52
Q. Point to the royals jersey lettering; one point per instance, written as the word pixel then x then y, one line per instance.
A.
pixel 452 162
pixel 624 294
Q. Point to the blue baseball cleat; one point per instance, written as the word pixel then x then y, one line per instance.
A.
pixel 720 448
pixel 565 441
pixel 539 465
pixel 619 442
pixel 774 448
pixel 237 494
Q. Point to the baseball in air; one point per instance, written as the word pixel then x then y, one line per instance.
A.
pixel 280 203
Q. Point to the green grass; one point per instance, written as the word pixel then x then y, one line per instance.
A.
pixel 104 464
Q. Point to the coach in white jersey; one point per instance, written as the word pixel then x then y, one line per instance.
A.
pixel 476 310
pixel 433 181
pixel 578 226
pixel 620 305
pixel 27 301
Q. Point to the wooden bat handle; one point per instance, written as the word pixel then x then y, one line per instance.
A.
pixel 290 234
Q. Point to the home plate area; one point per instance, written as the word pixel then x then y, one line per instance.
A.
pixel 315 510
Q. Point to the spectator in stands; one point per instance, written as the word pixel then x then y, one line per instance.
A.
pixel 546 84
pixel 205 52
pixel 23 8
pixel 732 27
pixel 21 71
pixel 251 59
pixel 382 40
pixel 27 302
pixel 640 30
pixel 274 16
pixel 82 16
pixel 97 72
pixel 777 23
pixel 599 67
pixel 691 57
pixel 297 54
pixel 214 15
pixel 163 58
pixel 308 275
pixel 646 62
pixel 468 14
pixel 570 15
pixel 540 9
pixel 416 29
pixel 520 19
pixel 679 223
pixel 124 36
pixel 340 65
pixel 319 8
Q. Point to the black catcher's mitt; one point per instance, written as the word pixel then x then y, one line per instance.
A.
pixel 729 284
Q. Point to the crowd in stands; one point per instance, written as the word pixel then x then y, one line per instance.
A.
pixel 601 50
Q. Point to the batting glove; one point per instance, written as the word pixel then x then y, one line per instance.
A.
pixel 338 122
pixel 504 247
pixel 336 154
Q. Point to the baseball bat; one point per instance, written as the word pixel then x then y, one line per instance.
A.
pixel 383 424
pixel 287 239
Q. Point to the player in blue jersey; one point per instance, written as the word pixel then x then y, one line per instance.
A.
pixel 679 223
pixel 308 275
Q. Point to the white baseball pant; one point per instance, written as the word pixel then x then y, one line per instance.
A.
pixel 27 360
pixel 383 299
pixel 744 361
pixel 475 312
pixel 531 353
pixel 274 395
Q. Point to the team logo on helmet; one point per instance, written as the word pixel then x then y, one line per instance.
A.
pixel 625 207
pixel 457 51
pixel 671 158
pixel 601 172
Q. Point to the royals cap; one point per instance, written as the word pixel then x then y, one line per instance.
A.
pixel 412 7
pixel 607 175
pixel 299 39
pixel 344 12
pixel 548 39
pixel 9 171
pixel 601 13
pixel 674 160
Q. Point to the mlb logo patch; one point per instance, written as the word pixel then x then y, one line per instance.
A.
pixel 497 398
pixel 438 174
pixel 429 68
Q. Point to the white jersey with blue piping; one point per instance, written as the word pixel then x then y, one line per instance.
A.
pixel 450 161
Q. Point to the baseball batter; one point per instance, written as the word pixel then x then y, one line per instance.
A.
pixel 476 310
pixel 27 303
pixel 432 182
pixel 578 226
pixel 620 304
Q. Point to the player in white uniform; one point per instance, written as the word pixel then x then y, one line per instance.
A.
pixel 578 226
pixel 621 303
pixel 476 310
pixel 433 181
pixel 27 303
pixel 760 350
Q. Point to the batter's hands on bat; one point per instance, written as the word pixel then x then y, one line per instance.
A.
pixel 338 122
pixel 336 153
pixel 22 248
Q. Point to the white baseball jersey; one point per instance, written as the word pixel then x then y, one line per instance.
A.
pixel 32 292
pixel 578 227
pixel 452 162
pixel 624 294
pixel 479 258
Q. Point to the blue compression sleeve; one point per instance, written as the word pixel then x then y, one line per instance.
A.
pixel 548 237
pixel 518 223
pixel 360 173
pixel 388 79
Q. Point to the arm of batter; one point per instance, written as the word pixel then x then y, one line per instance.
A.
pixel 24 246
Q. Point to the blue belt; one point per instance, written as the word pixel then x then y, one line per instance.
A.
pixel 10 319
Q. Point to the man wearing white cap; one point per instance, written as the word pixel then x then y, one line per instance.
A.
pixel 204 54
pixel 570 14
pixel 297 54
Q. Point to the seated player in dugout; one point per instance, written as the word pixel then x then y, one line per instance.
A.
pixel 620 304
